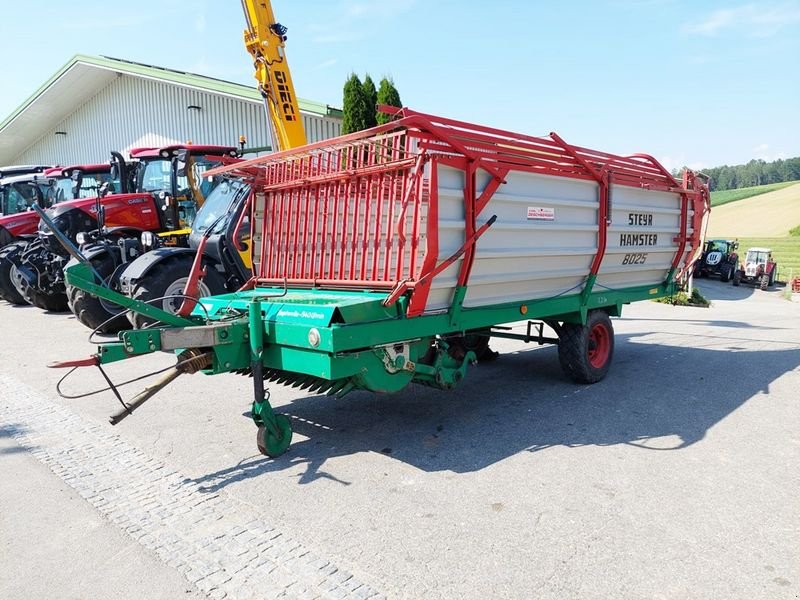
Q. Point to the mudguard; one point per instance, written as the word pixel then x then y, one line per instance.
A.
pixel 142 265
pixel 94 250
pixel 125 230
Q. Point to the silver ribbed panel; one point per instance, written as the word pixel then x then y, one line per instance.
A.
pixel 136 112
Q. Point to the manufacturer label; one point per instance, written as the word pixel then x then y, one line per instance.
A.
pixel 285 95
pixel 640 219
pixel 303 314
pixel 635 258
pixel 538 213
pixel 638 239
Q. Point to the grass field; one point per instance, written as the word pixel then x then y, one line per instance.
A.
pixel 772 214
pixel 725 196
pixel 785 250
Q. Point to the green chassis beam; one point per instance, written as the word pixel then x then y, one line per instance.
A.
pixel 288 317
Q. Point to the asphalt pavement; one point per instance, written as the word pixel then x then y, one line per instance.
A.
pixel 675 477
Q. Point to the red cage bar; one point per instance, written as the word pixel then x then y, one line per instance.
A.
pixel 362 210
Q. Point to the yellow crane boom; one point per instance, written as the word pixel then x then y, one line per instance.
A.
pixel 265 40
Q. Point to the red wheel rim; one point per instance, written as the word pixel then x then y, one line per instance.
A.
pixel 599 346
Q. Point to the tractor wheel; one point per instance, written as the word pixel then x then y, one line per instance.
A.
pixel 55 302
pixel 585 351
pixel 97 314
pixel 169 279
pixel 8 290
pixel 725 274
pixel 737 278
pixel 772 275
pixel 764 283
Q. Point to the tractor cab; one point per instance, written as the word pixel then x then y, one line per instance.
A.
pixel 758 268
pixel 719 258
pixel 221 232
pixel 226 225
pixel 45 188
pixel 174 175
pixel 13 170
pixel 756 259
pixel 19 193
pixel 79 181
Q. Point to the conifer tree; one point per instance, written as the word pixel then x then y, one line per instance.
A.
pixel 387 94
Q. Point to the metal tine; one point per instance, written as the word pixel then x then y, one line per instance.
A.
pixel 304 381
pixel 317 386
pixel 349 387
pixel 294 382
pixel 298 381
pixel 337 385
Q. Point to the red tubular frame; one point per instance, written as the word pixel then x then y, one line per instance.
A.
pixel 361 211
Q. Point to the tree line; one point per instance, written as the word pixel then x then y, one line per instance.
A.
pixel 756 172
pixel 360 99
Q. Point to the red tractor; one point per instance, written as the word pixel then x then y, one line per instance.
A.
pixel 758 268
pixel 44 187
pixel 163 199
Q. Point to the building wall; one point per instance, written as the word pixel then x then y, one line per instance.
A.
pixel 135 112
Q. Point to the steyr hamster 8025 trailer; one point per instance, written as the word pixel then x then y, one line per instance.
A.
pixel 392 255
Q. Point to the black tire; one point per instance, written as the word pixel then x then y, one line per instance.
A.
pixel 726 273
pixel 764 283
pixel 737 278
pixel 8 291
pixel 98 315
pixel 585 351
pixel 477 342
pixel 772 275
pixel 56 302
pixel 50 301
pixel 165 278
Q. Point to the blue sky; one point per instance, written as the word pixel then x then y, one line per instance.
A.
pixel 700 83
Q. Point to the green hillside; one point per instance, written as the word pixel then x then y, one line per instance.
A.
pixel 725 196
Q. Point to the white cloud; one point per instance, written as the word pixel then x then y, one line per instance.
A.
pixel 750 19
pixel 763 152
pixel 678 162
pixel 326 64
pixel 358 17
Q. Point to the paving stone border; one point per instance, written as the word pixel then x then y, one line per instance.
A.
pixel 209 537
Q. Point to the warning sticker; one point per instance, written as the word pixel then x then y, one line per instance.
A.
pixel 538 213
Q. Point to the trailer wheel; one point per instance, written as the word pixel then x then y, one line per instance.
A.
pixel 274 443
pixel 93 311
pixel 167 278
pixel 8 291
pixel 585 351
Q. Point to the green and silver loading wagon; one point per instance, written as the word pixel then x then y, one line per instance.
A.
pixel 391 256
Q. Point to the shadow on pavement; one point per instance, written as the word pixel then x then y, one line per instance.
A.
pixel 523 402
pixel 9 431
pixel 718 290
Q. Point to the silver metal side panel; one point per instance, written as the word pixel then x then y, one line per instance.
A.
pixel 546 236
